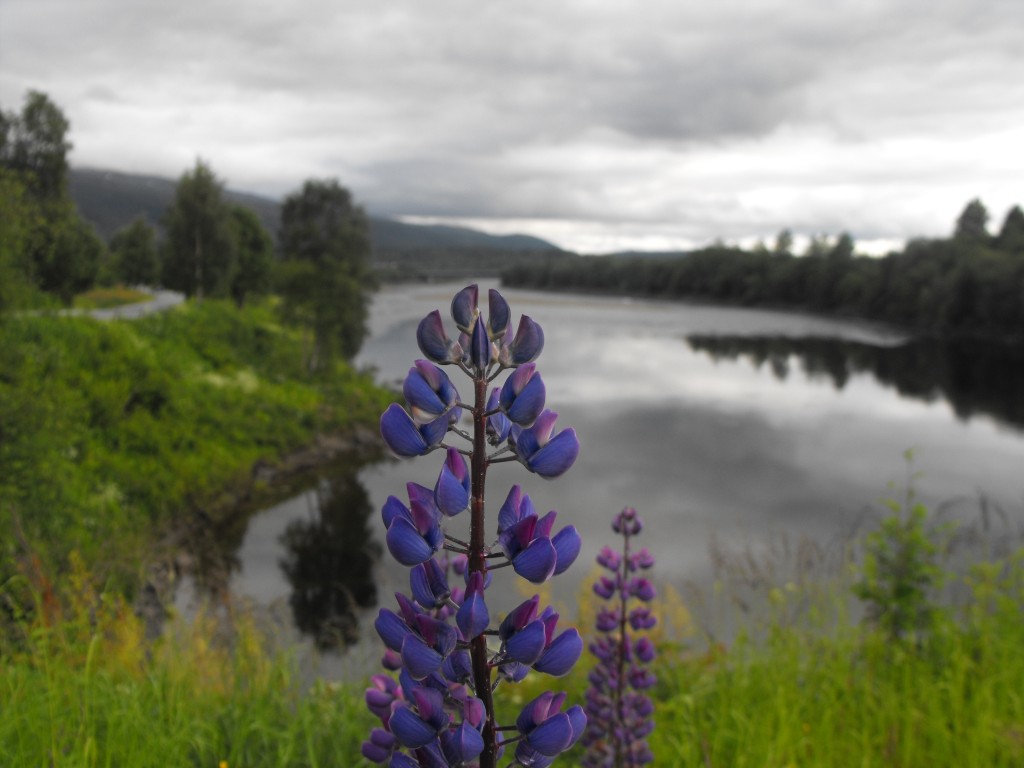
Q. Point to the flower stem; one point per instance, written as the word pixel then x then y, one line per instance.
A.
pixel 623 639
pixel 478 562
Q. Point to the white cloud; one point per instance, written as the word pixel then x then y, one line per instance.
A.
pixel 600 125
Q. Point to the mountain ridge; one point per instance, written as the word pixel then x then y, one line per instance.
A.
pixel 110 200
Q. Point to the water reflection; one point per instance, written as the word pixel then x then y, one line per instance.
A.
pixel 310 544
pixel 973 377
pixel 328 560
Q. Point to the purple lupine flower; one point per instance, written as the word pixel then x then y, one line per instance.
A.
pixel 479 346
pixel 405 437
pixel 527 542
pixel 429 392
pixel 499 317
pixel 473 616
pixel 440 710
pixel 451 492
pixel 543 451
pixel 545 729
pixel 424 651
pixel 561 654
pixel 429 584
pixel 619 712
pixel 498 424
pixel 526 346
pixel 522 396
pixel 413 533
pixel 380 746
pixel 419 727
pixel 464 309
pixel 382 691
pixel 434 342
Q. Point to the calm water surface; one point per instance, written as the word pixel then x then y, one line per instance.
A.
pixel 725 425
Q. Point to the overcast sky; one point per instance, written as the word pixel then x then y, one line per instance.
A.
pixel 599 125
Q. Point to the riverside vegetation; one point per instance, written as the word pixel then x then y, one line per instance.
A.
pixel 111 432
pixel 802 684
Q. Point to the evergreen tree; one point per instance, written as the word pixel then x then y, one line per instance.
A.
pixel 59 253
pixel 15 217
pixel 199 253
pixel 35 144
pixel 1011 235
pixel 784 242
pixel 972 223
pixel 254 249
pixel 817 247
pixel 325 276
pixel 134 254
pixel 66 252
pixel 843 248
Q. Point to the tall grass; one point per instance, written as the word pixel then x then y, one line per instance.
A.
pixel 851 696
pixel 86 689
pixel 80 686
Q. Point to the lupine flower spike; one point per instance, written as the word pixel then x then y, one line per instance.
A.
pixel 439 710
pixel 618 710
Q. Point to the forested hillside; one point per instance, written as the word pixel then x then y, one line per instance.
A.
pixel 112 201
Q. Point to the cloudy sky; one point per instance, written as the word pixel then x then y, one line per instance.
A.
pixel 599 125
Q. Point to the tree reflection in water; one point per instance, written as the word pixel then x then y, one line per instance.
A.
pixel 329 561
pixel 974 376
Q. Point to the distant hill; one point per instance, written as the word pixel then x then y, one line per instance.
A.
pixel 110 200
pixel 391 234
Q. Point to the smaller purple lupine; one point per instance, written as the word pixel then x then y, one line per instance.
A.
pixel 618 710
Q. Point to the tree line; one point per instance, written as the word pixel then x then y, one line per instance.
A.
pixel 968 284
pixel 204 247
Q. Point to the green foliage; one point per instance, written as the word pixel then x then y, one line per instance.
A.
pixel 901 572
pixel 50 246
pixel 254 250
pixel 784 243
pixel 840 698
pixel 81 686
pixel 15 220
pixel 67 252
pixel 325 276
pixel 110 431
pixel 199 251
pixel 964 286
pixel 1011 234
pixel 105 298
pixel 34 144
pixel 134 254
pixel 972 223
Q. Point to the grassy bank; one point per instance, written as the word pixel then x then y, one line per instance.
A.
pixel 110 431
pixel 114 296
pixel 817 691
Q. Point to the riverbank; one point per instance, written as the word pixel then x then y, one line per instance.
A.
pixel 114 433
pixel 801 685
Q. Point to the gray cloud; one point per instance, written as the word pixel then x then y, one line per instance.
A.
pixel 684 120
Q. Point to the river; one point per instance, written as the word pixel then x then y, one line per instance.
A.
pixel 726 428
